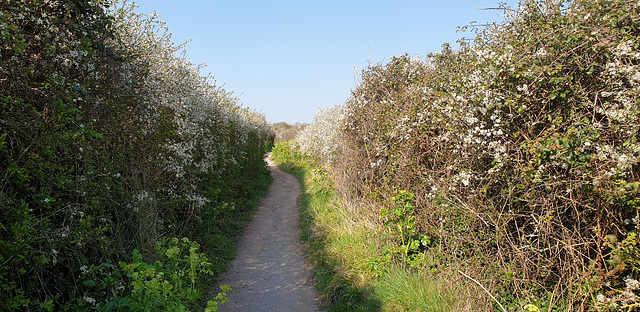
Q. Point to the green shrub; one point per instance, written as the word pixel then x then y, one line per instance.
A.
pixel 110 142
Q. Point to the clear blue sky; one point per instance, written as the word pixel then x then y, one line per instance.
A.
pixel 289 58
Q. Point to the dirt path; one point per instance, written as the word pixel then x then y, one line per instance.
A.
pixel 270 272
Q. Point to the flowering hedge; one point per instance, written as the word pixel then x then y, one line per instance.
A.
pixel 320 138
pixel 520 148
pixel 109 141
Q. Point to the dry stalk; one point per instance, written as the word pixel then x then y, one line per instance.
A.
pixel 487 291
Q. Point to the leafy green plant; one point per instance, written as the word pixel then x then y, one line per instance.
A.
pixel 400 217
pixel 169 285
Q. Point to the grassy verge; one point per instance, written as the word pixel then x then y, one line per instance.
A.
pixel 347 247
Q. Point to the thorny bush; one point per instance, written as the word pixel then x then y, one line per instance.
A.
pixel 521 149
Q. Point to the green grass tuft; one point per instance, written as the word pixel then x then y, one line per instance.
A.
pixel 408 291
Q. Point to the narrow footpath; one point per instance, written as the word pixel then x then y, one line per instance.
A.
pixel 270 273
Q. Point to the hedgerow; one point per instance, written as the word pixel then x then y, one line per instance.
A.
pixel 109 142
pixel 520 151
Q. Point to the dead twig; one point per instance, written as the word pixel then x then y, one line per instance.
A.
pixel 492 297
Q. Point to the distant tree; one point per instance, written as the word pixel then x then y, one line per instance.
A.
pixel 283 131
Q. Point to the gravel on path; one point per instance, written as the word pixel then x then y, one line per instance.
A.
pixel 270 272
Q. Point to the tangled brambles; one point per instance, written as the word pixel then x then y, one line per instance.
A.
pixel 521 150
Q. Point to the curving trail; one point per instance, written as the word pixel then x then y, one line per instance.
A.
pixel 270 272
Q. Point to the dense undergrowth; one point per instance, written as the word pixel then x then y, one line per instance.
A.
pixel 510 165
pixel 111 147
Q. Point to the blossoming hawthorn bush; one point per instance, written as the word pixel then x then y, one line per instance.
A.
pixel 212 128
pixel 320 139
pixel 108 141
pixel 521 149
